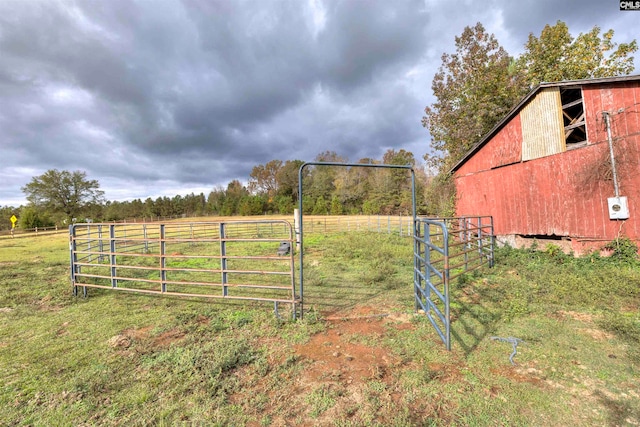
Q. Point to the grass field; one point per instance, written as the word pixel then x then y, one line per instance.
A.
pixel 359 357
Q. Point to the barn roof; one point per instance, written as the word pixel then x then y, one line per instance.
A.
pixel 515 110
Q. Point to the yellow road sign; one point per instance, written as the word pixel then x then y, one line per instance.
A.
pixel 13 219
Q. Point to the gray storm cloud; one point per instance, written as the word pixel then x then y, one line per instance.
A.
pixel 151 97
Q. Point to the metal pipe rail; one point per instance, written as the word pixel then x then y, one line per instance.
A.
pixel 445 248
pixel 206 259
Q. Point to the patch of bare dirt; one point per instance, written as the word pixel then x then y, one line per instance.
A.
pixel 8 263
pixel 165 339
pixel 143 335
pixel 445 373
pixel 46 303
pixel 348 351
pixel 589 320
pixel 335 358
pixel 597 334
pixel 62 330
pixel 348 363
pixel 138 334
pixel 522 374
pixel 119 341
pixel 583 317
pixel 203 320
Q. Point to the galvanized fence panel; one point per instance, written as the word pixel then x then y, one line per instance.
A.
pixel 233 260
pixel 472 242
pixel 445 248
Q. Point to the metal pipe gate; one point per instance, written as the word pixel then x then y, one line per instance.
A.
pixel 229 260
pixel 445 248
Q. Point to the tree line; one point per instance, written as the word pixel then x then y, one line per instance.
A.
pixel 62 197
pixel 474 88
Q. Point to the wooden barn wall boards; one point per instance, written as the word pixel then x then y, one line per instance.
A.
pixel 545 170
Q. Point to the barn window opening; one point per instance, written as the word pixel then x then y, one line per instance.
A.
pixel 575 131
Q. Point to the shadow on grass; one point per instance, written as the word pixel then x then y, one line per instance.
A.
pixel 619 412
pixel 471 323
pixel 337 295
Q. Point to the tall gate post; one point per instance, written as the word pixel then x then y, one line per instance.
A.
pixel 163 259
pixel 73 257
pixel 296 227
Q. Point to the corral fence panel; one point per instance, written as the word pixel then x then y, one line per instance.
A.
pixel 401 225
pixel 445 248
pixel 230 260
pixel 243 260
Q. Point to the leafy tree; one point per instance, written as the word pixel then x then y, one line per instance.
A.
pixel 215 201
pixel 402 157
pixel 557 56
pixel 31 218
pixel 195 205
pixel 287 178
pixel 264 178
pixel 380 199
pixel 336 206
pixel 135 209
pixel 163 206
pixel 371 207
pixel 251 205
pixel 320 208
pixel 177 204
pixel 113 211
pixel 439 196
pixel 353 185
pixel 63 191
pixel 284 205
pixel 397 184
pixel 423 180
pixel 234 194
pixel 322 178
pixel 474 88
pixel 307 204
pixel 150 208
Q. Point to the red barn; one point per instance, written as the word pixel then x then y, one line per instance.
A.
pixel 545 171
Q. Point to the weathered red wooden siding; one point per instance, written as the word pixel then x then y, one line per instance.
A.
pixel 560 194
pixel 505 148
pixel 612 98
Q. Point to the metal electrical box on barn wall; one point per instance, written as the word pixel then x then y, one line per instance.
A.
pixel 618 207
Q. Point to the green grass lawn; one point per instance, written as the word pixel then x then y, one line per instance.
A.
pixel 359 357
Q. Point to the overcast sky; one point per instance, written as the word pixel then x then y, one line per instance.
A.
pixel 163 97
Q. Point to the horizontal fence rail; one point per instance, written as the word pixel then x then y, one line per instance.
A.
pixel 28 232
pixel 445 248
pixel 55 229
pixel 471 243
pixel 233 260
pixel 391 224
